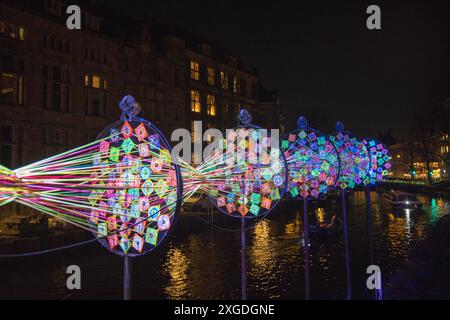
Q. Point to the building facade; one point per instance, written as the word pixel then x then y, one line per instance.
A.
pixel 60 88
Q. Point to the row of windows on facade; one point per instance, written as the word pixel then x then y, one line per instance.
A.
pixel 12 31
pixel 195 70
pixel 211 104
pixel 15 135
pixel 12 143
pixel 56 91
pixel 196 104
pixel 57 8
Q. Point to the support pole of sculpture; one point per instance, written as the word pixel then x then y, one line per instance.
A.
pixel 346 245
pixel 127 278
pixel 306 246
pixel 243 261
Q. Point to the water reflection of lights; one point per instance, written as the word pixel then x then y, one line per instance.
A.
pixel 292 229
pixel 398 233
pixel 408 222
pixel 320 215
pixel 176 266
pixel 262 253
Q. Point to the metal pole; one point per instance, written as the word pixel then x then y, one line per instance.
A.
pixel 243 261
pixel 306 246
pixel 346 246
pixel 127 278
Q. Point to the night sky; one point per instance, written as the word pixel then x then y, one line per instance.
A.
pixel 324 61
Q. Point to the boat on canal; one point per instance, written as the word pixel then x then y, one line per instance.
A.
pixel 402 200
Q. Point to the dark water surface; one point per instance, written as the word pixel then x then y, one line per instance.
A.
pixel 203 262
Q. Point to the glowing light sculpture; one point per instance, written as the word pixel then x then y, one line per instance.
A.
pixel 123 187
pixel 247 176
pixel 313 166
pixel 312 160
pixel 245 179
pixel 354 159
pixel 380 161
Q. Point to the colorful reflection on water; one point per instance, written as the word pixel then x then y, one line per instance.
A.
pixel 203 262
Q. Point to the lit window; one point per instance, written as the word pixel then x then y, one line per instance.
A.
pixel 195 70
pixel 21 33
pixel 212 109
pixel 86 80
pixel 2 27
pixel 195 101
pixel 7 88
pixel 224 80
pixel 105 84
pixel 96 82
pixel 211 75
pixel 236 86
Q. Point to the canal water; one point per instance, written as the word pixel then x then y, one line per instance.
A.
pixel 202 258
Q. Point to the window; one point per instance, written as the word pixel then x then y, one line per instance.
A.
pixel 12 88
pixel 211 75
pixel 96 95
pixel 53 7
pixel 7 88
pixel 56 97
pixel 96 82
pixel 12 31
pixel 22 33
pixel 211 102
pixel 56 88
pixel 224 80
pixel 195 101
pixel 236 85
pixel 55 136
pixel 6 155
pixel 195 70
pixel 11 146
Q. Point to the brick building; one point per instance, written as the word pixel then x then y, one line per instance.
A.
pixel 59 88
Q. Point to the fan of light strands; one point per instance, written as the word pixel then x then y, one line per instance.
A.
pixel 312 160
pixel 124 187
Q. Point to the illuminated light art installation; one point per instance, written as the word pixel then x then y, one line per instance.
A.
pixel 124 187
pixel 380 161
pixel 313 162
pixel 248 177
pixel 354 159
